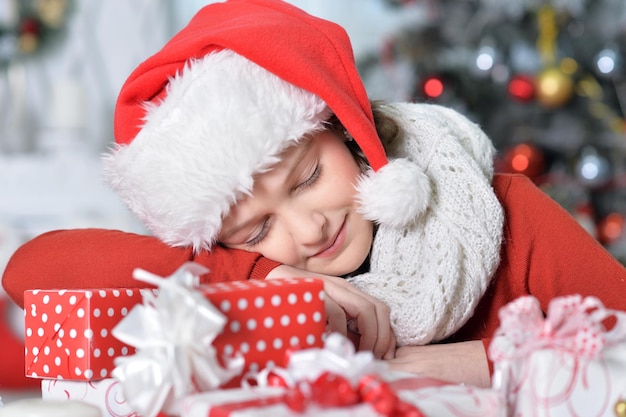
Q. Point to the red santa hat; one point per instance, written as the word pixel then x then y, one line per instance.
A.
pixel 222 99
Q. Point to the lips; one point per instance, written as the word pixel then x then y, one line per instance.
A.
pixel 334 244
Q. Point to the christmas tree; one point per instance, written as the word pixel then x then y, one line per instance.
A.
pixel 545 79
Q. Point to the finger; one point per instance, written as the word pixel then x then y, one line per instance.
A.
pixel 364 312
pixel 372 316
pixel 391 349
pixel 354 338
pixel 335 316
pixel 384 340
pixel 373 338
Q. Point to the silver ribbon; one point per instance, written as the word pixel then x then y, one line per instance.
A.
pixel 173 333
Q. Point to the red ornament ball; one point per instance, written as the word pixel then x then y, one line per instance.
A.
pixel 522 88
pixel 433 87
pixel 611 228
pixel 30 26
pixel 526 159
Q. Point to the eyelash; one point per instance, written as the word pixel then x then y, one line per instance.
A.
pixel 258 238
pixel 311 180
pixel 261 235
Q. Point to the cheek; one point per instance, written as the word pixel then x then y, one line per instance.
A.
pixel 349 173
pixel 345 186
pixel 280 249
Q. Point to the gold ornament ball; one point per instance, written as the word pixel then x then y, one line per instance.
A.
pixel 620 408
pixel 51 12
pixel 554 88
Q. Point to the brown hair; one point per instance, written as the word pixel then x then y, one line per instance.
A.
pixel 387 127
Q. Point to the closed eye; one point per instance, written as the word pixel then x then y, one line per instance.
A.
pixel 311 180
pixel 265 227
pixel 258 238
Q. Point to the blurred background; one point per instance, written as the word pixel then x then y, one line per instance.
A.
pixel 545 79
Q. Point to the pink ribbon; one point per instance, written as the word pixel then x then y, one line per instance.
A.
pixel 572 323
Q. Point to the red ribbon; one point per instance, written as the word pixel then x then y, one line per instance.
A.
pixel 331 390
pixel 225 410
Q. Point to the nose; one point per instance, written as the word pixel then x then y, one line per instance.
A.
pixel 306 226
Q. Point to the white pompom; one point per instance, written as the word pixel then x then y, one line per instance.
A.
pixel 396 195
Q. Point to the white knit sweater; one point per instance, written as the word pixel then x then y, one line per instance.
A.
pixel 433 273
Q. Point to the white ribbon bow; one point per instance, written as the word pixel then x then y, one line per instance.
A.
pixel 338 357
pixel 173 334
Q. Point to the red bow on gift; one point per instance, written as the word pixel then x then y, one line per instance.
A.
pixel 331 390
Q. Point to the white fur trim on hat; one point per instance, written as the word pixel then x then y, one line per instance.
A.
pixel 223 120
pixel 395 195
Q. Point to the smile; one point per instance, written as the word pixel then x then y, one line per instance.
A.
pixel 335 244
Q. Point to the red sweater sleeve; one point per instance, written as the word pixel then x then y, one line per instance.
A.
pixel 100 258
pixel 549 254
pixel 545 253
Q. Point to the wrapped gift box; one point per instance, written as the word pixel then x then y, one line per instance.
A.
pixel 268 319
pixel 68 332
pixel 567 363
pixel 433 398
pixel 106 394
pixel 260 402
pixel 428 397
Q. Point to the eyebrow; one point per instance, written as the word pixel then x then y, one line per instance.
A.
pixel 300 152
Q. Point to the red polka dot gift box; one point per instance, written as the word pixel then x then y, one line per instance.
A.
pixel 68 332
pixel 268 319
pixel 201 337
pixel 76 334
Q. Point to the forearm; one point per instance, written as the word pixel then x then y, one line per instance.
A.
pixel 462 362
pixel 101 258
pixel 82 258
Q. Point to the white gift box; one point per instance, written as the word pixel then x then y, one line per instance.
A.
pixel 106 394
pixel 566 364
pixel 259 402
pixel 432 398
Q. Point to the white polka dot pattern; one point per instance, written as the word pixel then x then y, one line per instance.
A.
pixel 268 319
pixel 68 332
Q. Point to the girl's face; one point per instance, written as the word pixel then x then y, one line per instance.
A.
pixel 303 213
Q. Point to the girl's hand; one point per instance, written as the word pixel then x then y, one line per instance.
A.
pixel 343 302
pixel 462 362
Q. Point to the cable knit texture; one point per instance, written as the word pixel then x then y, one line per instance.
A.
pixel 433 272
